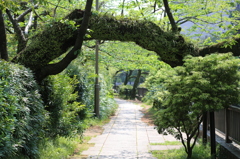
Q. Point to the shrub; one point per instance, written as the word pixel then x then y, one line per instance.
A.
pixel 60 99
pixel 22 112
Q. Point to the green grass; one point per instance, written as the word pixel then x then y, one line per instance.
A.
pixel 168 143
pixel 64 147
pixel 199 152
pixel 59 148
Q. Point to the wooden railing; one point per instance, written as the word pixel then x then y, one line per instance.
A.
pixel 228 122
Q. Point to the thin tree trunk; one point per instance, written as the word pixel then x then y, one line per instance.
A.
pixel 3 39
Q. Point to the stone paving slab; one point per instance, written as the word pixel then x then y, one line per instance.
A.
pixel 127 137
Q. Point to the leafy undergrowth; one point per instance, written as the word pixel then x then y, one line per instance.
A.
pixel 66 147
pixel 199 152
pixel 59 148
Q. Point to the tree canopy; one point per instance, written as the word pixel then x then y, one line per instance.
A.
pixel 59 35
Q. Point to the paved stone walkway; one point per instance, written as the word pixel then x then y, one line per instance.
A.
pixel 127 137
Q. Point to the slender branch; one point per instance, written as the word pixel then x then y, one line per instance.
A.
pixel 58 6
pixel 184 19
pixel 170 16
pixel 26 12
pixel 55 9
pixel 9 31
pixel 182 139
pixel 204 21
pixel 22 41
pixel 155 6
pixel 196 132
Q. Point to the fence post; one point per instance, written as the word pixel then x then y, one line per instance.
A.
pixel 227 126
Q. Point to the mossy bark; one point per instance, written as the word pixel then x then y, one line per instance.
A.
pixel 57 38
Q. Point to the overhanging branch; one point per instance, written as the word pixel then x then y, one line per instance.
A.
pixel 56 68
pixel 56 39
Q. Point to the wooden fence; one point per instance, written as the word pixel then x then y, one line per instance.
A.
pixel 228 122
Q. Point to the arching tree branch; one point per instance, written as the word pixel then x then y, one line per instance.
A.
pixel 56 39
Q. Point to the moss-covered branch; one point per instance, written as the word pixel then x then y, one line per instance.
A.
pixel 57 38
pixel 170 47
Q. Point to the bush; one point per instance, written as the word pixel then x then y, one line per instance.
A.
pixel 22 112
pixel 60 99
pixel 154 84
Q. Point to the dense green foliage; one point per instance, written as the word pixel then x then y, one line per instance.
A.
pixel 201 84
pixel 60 99
pixel 68 101
pixel 85 88
pixel 22 112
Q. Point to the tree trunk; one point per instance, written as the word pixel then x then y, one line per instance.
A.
pixel 128 77
pixel 135 85
pixel 189 148
pixel 3 39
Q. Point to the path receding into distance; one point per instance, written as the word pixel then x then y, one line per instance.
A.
pixel 127 137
